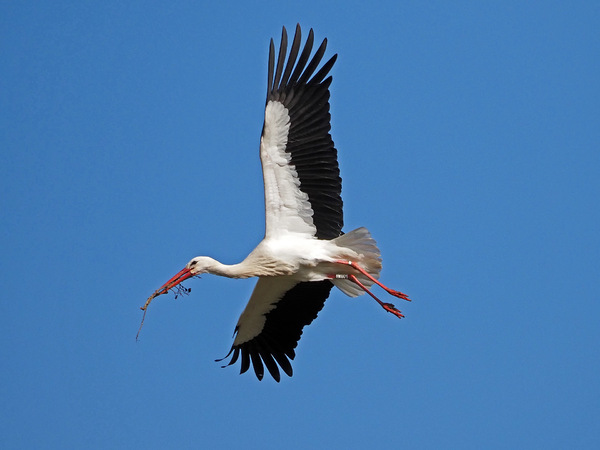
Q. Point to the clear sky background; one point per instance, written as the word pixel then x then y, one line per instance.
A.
pixel 469 144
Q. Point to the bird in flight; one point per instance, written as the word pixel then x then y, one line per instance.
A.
pixel 304 252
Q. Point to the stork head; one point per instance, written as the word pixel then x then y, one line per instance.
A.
pixel 198 265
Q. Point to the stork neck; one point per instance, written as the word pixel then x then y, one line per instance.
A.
pixel 256 264
pixel 239 270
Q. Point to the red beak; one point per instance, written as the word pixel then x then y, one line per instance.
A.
pixel 182 275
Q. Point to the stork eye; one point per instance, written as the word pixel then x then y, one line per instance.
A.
pixel 193 263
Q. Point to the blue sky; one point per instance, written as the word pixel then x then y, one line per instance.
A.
pixel 468 136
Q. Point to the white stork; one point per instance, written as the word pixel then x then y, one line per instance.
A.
pixel 304 252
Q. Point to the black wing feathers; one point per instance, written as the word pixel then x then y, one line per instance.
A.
pixel 303 56
pixel 271 65
pixel 322 73
pixel 281 58
pixel 309 143
pixel 291 59
pixel 283 328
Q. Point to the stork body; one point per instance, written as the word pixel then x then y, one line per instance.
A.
pixel 304 252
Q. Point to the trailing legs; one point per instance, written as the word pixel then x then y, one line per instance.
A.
pixel 387 306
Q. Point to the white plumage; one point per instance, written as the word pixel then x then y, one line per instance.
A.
pixel 304 252
pixel 287 207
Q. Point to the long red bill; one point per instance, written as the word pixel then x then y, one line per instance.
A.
pixel 180 276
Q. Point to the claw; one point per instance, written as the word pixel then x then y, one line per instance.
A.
pixel 399 295
pixel 392 309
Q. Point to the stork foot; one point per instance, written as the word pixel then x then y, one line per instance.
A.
pixel 387 306
pixel 399 295
pixel 392 309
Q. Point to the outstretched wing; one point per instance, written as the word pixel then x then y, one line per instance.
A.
pixel 270 327
pixel 302 195
pixel 300 169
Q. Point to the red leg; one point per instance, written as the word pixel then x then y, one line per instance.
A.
pixel 364 272
pixel 387 306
